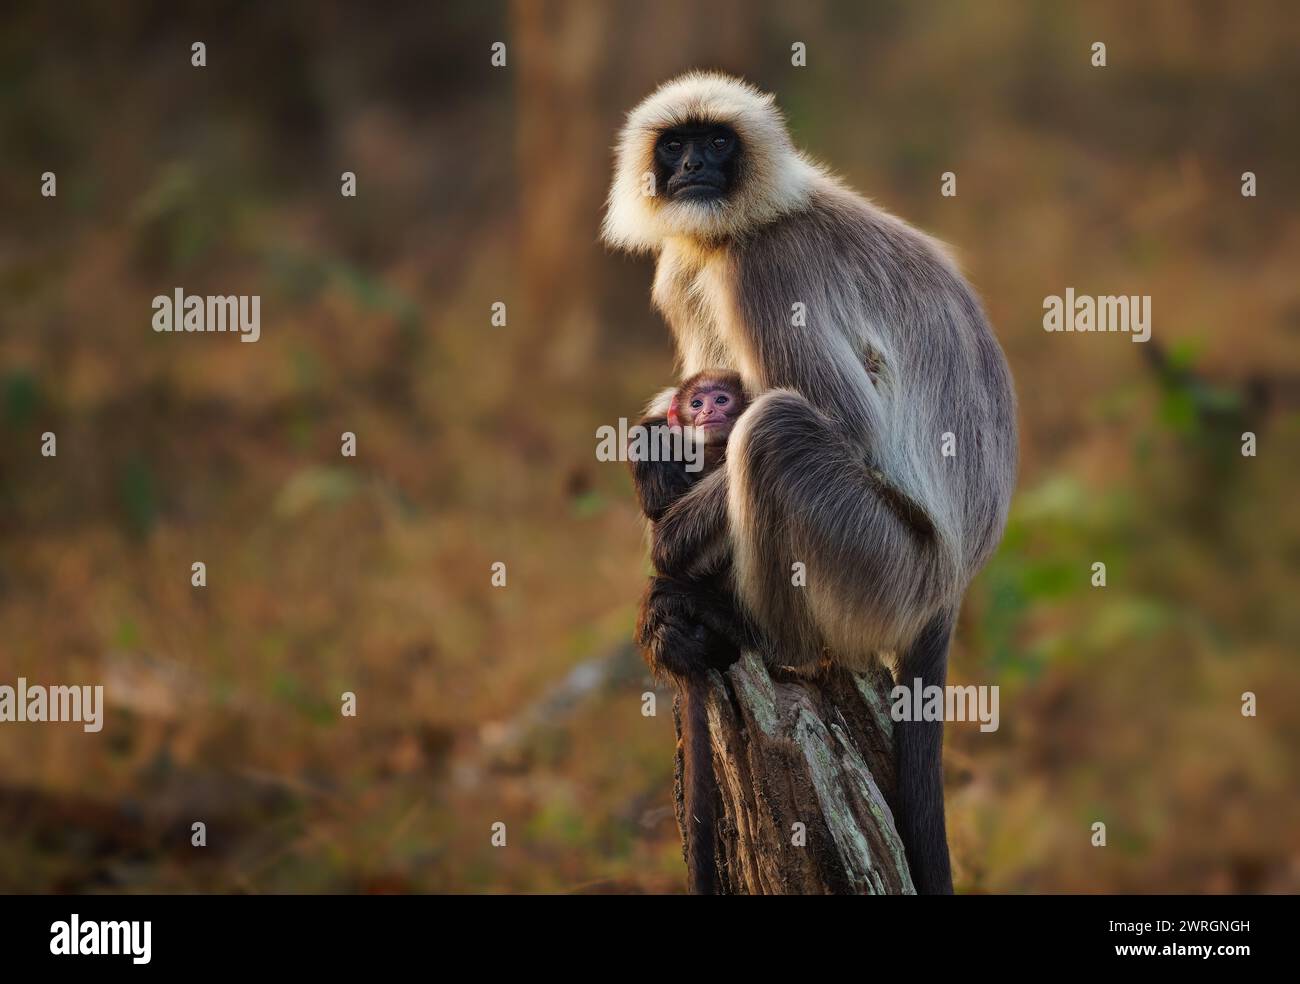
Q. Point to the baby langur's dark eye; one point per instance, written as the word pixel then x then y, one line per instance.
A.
pixel 721 401
pixel 696 404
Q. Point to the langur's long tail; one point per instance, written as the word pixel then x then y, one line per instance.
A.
pixel 699 789
pixel 918 758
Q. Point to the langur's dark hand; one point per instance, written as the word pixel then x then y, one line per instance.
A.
pixel 685 628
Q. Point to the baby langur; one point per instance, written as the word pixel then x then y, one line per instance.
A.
pixel 693 615
pixel 701 627
pixel 706 407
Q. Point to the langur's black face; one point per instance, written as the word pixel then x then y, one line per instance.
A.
pixel 697 162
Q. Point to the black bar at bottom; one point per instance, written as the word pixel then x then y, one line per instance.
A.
pixel 559 934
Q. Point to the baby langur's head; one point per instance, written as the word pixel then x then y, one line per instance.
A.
pixel 708 405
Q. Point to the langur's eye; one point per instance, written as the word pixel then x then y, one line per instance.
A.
pixel 720 142
pixel 721 401
pixel 673 146
pixel 696 404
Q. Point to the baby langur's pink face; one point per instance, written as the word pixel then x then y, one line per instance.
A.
pixel 713 410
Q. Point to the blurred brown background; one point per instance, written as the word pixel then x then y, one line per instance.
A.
pixel 476 443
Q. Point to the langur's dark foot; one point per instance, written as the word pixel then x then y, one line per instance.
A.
pixel 685 629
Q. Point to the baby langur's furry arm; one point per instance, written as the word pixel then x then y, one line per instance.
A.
pixel 690 540
pixel 658 483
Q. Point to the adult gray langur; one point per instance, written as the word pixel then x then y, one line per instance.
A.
pixel 880 447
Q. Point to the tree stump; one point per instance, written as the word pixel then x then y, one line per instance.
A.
pixel 798 749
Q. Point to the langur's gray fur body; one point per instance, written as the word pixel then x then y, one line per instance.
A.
pixel 839 463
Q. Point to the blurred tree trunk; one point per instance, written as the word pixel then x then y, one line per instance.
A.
pixel 568 57
pixel 793 750
pixel 562 154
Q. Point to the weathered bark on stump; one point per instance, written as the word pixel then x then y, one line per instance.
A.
pixel 814 750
